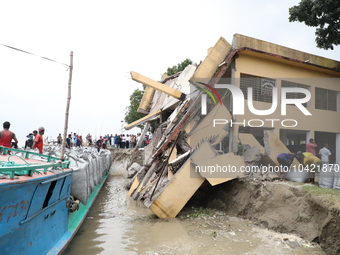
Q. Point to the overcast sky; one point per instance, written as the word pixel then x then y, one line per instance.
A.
pixel 111 38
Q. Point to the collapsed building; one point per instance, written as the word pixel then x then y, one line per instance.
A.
pixel 210 127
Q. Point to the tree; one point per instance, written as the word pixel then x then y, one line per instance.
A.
pixel 322 14
pixel 179 68
pixel 131 113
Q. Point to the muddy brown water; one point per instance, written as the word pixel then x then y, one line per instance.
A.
pixel 116 224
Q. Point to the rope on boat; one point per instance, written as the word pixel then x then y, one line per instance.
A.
pixel 12 163
pixel 4 164
pixel 73 204
pixel 18 157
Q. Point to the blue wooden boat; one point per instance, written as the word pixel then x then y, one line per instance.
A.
pixel 38 214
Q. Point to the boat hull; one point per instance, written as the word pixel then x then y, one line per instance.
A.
pixel 35 215
pixel 26 215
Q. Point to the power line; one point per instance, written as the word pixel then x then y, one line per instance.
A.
pixel 13 48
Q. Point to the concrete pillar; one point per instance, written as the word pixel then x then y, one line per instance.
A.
pixel 235 139
pixel 276 131
pixel 283 136
pixel 337 148
pixel 232 128
pixel 309 135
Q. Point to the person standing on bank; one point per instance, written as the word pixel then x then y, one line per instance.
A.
pixel 99 143
pixel 311 146
pixel 29 141
pixel 38 140
pixel 325 154
pixel 6 136
pixel 59 139
pixel 116 139
pixel 68 141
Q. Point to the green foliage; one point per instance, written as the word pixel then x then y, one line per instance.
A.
pixel 180 67
pixel 301 218
pixel 198 212
pixel 330 194
pixel 240 149
pixel 322 14
pixel 131 113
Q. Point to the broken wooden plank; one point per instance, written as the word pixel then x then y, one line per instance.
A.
pixel 142 120
pixel 133 187
pixel 157 85
pixel 145 103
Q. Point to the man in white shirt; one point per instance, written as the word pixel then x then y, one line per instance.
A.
pixel 127 141
pixel 325 154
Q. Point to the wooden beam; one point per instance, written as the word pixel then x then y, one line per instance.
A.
pixel 144 105
pixel 157 85
pixel 141 120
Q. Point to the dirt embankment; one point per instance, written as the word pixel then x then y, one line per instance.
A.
pixel 129 155
pixel 310 212
pixel 123 158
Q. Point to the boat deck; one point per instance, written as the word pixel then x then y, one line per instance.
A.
pixel 16 168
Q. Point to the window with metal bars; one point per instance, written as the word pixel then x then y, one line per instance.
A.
pixel 325 99
pixel 290 95
pixel 262 87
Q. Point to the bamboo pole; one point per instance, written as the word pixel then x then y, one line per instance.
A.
pixel 67 106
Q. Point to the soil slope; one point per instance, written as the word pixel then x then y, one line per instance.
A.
pixel 311 212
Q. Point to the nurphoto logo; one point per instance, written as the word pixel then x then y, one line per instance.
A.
pixel 267 89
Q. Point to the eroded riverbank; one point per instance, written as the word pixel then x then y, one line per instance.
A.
pixel 308 211
pixel 118 225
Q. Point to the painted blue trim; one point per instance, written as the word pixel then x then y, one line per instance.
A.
pixel 54 179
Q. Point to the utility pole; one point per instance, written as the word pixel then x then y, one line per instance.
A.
pixel 67 106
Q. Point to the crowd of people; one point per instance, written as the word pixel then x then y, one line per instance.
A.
pixel 122 141
pixel 35 139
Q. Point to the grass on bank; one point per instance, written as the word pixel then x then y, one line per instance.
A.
pixel 194 212
pixel 328 193
pixel 332 195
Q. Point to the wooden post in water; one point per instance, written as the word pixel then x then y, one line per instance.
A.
pixel 67 106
